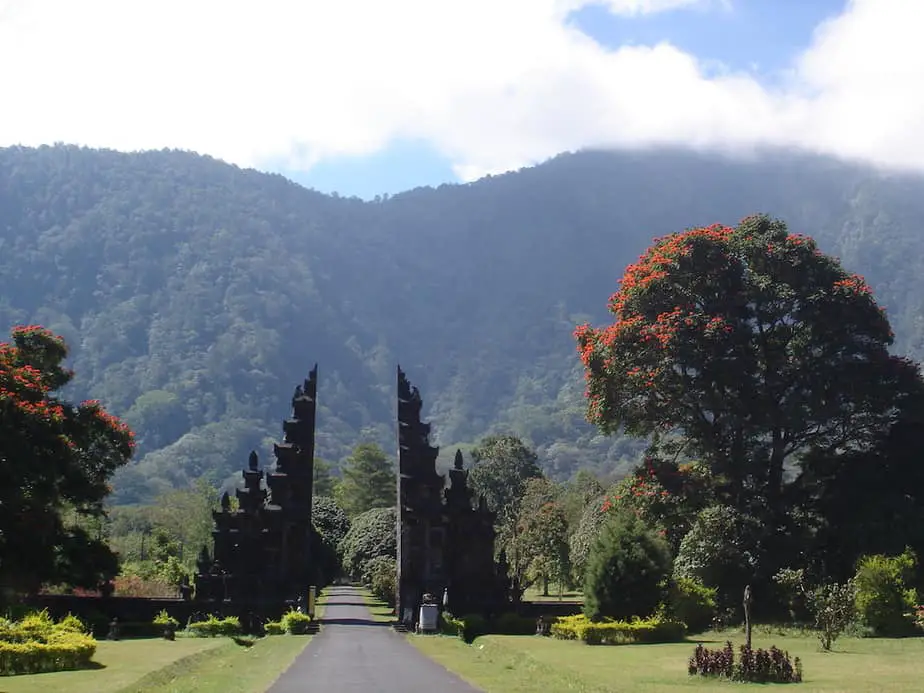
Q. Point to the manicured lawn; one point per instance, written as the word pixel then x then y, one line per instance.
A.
pixel 230 668
pixel 209 665
pixel 517 664
pixel 381 612
pixel 121 664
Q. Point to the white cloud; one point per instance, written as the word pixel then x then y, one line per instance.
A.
pixel 493 84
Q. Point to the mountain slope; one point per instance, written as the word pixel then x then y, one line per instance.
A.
pixel 196 294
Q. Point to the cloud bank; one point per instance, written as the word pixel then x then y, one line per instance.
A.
pixel 491 84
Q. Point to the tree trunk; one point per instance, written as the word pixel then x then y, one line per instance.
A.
pixel 775 474
pixel 747 616
pixel 545 586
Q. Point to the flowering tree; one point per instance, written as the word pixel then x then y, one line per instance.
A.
pixel 54 456
pixel 751 344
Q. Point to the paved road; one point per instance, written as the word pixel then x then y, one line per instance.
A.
pixel 354 654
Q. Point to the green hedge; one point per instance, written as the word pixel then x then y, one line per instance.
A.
pixel 37 644
pixel 470 626
pixel 214 627
pixel 296 623
pixel 609 632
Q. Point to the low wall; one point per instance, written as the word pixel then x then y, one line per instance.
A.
pixel 554 608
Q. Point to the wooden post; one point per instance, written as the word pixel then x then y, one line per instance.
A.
pixel 747 616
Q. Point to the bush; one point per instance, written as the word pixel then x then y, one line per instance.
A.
pixel 466 627
pixel 37 644
pixel 274 628
pixel 372 534
pixel 214 627
pixel 884 601
pixel 692 603
pixel 611 632
pixel 757 666
pixel 834 609
pixel 721 550
pixel 296 623
pixel 513 624
pixel 626 570
pixel 380 575
pixel 163 619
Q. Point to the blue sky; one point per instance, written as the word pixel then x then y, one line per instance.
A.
pixel 757 36
pixel 365 97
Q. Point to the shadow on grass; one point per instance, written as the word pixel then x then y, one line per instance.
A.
pixel 353 622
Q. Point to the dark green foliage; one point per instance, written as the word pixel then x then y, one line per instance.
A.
pixel 754 345
pixel 380 575
pixel 323 479
pixel 756 666
pixel 503 465
pixel 721 550
pixel 56 462
pixel 329 519
pixel 371 534
pixel 178 274
pixel 368 480
pixel 885 600
pixel 626 571
pixel 330 526
pixel 868 502
pixel 692 603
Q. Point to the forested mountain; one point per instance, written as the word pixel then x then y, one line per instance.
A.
pixel 195 295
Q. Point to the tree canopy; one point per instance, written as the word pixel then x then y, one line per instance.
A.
pixel 55 458
pixel 752 344
pixel 368 481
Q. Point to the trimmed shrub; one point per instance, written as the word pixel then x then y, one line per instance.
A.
pixel 274 628
pixel 37 644
pixel 466 627
pixel 214 627
pixel 296 623
pixel 611 632
pixel 163 619
pixel 691 602
pixel 884 601
pixel 380 575
pixel 512 624
pixel 626 570
pixel 757 666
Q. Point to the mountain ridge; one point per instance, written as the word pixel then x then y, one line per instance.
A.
pixel 193 292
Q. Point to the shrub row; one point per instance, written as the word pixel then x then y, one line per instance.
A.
pixel 757 666
pixel 293 622
pixel 214 627
pixel 470 626
pixel 610 632
pixel 37 644
pixel 62 651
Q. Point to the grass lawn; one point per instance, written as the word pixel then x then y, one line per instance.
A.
pixel 229 668
pixel 381 612
pixel 121 664
pixel 517 664
pixel 209 665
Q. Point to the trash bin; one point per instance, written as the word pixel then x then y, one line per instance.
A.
pixel 429 618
